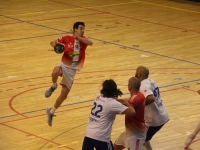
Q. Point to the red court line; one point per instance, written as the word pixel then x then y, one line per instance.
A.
pixel 35 135
pixel 45 114
pixel 155 23
pixel 189 89
pixel 172 89
pixel 3 123
pixel 26 117
pixel 128 17
pixel 20 87
pixel 65 17
pixel 32 85
pixel 9 90
pixel 24 80
pixel 12 99
pixel 104 71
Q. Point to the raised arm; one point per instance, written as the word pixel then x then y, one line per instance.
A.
pixel 130 110
pixel 84 40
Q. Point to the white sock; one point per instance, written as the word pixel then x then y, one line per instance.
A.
pixel 54 85
pixel 53 109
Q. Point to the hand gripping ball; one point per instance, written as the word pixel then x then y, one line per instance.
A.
pixel 59 48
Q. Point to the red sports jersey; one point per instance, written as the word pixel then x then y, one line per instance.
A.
pixel 136 122
pixel 74 54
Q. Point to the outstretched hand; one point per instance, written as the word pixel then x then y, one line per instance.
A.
pixel 123 101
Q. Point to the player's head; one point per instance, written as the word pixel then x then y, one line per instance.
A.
pixel 110 90
pixel 134 84
pixel 79 28
pixel 142 73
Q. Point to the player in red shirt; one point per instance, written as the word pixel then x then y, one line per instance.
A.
pixel 135 125
pixel 72 60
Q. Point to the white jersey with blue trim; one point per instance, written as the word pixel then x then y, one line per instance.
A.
pixel 102 116
pixel 155 113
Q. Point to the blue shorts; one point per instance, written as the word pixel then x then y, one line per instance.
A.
pixel 151 131
pixel 90 144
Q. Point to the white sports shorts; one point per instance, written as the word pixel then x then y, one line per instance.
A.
pixel 68 75
pixel 131 141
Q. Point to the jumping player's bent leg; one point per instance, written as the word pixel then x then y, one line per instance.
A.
pixel 63 95
pixel 56 72
pixel 59 101
pixel 66 82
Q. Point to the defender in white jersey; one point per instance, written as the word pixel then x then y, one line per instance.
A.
pixel 156 114
pixel 103 113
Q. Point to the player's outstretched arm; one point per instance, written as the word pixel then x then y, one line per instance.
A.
pixel 130 110
pixel 84 40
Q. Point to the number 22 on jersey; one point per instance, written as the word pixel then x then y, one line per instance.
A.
pixel 96 109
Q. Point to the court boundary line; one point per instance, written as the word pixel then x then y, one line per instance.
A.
pixel 34 135
pixel 27 117
pixel 50 141
pixel 112 43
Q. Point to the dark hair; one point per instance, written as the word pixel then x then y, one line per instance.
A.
pixel 110 89
pixel 76 24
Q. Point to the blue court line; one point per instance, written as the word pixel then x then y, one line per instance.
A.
pixel 92 100
pixel 123 46
pixel 45 109
pixel 148 52
pixel 32 23
pixel 179 83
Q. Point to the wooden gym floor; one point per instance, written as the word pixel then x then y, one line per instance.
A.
pixel 163 35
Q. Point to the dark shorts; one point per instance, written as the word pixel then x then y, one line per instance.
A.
pixel 90 144
pixel 151 131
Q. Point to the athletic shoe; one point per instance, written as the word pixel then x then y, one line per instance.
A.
pixel 50 91
pixel 49 116
pixel 189 140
